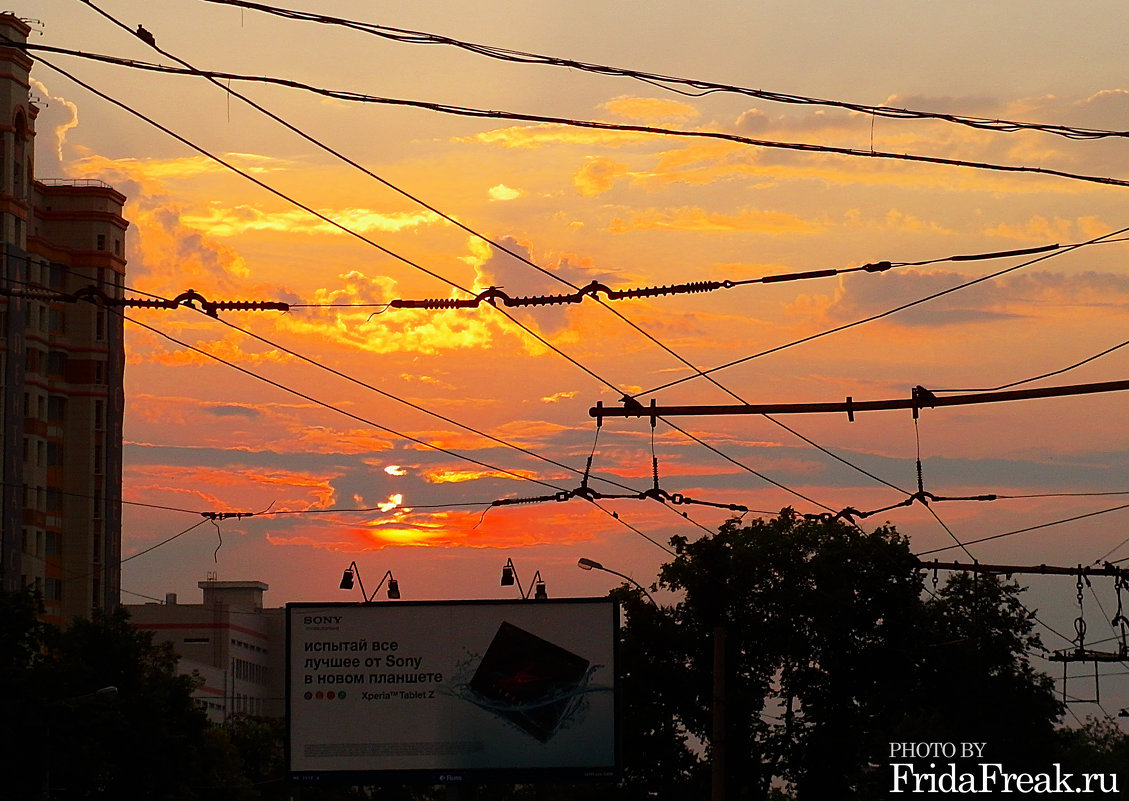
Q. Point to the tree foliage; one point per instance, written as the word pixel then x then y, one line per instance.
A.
pixel 102 713
pixel 832 650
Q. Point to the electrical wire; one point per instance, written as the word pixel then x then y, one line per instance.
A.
pixel 1029 529
pixel 884 314
pixel 89 87
pixel 667 81
pixel 456 222
pixel 323 217
pixel 493 114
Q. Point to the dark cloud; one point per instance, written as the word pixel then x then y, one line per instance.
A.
pixel 233 411
pixel 861 296
pixel 518 279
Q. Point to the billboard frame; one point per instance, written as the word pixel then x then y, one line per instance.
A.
pixel 458 776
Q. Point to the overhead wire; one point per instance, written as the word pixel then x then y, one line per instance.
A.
pixel 262 184
pixel 366 421
pixel 467 111
pixel 884 314
pixel 1030 529
pixel 667 81
pixel 891 485
pixel 289 126
pixel 558 351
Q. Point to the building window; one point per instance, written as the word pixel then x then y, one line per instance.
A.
pixel 56 409
pixel 101 242
pixel 53 590
pixel 56 363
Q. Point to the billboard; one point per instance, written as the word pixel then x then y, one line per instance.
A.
pixel 444 692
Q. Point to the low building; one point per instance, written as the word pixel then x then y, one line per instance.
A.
pixel 230 641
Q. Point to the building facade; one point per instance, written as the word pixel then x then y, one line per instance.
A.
pixel 235 646
pixel 62 362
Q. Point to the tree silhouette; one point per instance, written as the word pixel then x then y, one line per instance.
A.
pixel 832 652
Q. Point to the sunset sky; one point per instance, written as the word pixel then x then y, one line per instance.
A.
pixel 629 209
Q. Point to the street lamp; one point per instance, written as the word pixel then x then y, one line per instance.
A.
pixel 352 571
pixel 510 577
pixel 592 564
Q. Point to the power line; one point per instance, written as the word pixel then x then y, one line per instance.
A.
pixel 344 228
pixel 920 398
pixel 467 111
pixel 882 315
pixel 459 224
pixel 374 424
pixel 274 116
pixel 1030 529
pixel 668 82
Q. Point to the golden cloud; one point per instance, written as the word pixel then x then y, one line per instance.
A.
pixel 446 475
pixel 540 135
pixel 1058 229
pixel 598 175
pixel 649 108
pixel 232 221
pixel 148 171
pixel 503 192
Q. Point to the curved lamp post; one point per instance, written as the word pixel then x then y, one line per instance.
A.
pixel 592 564
pixel 353 571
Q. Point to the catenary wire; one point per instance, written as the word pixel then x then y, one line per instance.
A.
pixel 1029 529
pixel 650 130
pixel 319 215
pixel 88 3
pixel 375 425
pixel 527 261
pixel 473 232
pixel 881 315
pixel 666 81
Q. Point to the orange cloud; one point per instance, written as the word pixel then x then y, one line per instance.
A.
pixel 894 220
pixel 161 351
pixel 324 439
pixel 497 528
pixel 235 488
